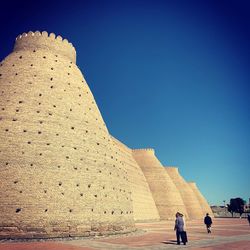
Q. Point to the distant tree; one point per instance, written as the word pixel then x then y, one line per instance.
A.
pixel 236 206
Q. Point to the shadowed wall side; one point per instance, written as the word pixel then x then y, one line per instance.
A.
pixel 143 203
pixel 166 195
pixel 203 202
pixel 190 200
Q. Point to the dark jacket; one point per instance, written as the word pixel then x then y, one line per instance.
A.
pixel 208 220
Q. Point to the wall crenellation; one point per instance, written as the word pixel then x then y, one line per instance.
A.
pixel 144 149
pixel 45 41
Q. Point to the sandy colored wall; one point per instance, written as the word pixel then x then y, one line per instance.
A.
pixel 203 202
pixel 165 193
pixel 190 200
pixel 143 203
pixel 59 172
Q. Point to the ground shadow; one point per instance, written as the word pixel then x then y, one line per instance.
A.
pixel 170 242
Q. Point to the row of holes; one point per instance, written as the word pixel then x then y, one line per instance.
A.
pixel 18 210
pixel 89 185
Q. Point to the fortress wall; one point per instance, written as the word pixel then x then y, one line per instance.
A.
pixel 143 203
pixel 166 195
pixel 59 173
pixel 203 202
pixel 190 200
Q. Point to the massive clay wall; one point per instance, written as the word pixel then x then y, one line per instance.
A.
pixel 165 193
pixel 203 202
pixel 190 200
pixel 59 172
pixel 143 203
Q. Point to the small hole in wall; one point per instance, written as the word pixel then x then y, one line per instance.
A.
pixel 20 57
pixel 46 210
pixel 71 210
pixel 60 183
pixel 112 212
pixel 18 210
pixel 44 57
pixel 15 182
pixel 81 194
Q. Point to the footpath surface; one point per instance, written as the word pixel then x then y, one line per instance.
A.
pixel 226 233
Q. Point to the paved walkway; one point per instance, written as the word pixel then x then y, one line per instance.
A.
pixel 226 234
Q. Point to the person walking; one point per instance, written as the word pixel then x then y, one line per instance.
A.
pixel 208 222
pixel 179 228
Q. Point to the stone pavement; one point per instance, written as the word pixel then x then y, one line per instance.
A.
pixel 228 233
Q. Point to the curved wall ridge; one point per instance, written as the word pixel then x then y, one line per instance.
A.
pixel 44 41
pixel 166 195
pixel 203 202
pixel 190 200
pixel 143 203
pixel 59 170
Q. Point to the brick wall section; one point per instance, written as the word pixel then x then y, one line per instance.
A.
pixel 203 202
pixel 143 203
pixel 166 195
pixel 190 200
pixel 59 172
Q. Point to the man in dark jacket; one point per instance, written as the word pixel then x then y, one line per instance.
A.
pixel 208 222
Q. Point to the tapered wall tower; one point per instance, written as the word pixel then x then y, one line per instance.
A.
pixel 143 203
pixel 165 193
pixel 203 202
pixel 190 200
pixel 59 174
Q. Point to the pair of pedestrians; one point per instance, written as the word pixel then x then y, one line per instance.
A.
pixel 180 224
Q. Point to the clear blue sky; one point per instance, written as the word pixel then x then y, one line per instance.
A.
pixel 172 75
